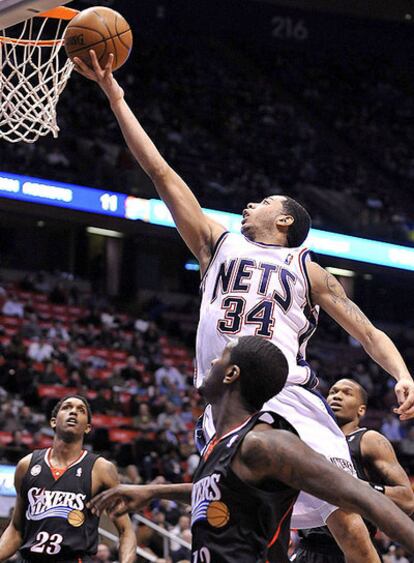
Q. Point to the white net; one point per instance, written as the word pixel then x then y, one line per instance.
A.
pixel 33 74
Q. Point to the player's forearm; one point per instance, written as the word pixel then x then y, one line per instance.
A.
pixel 139 143
pixel 178 493
pixel 402 496
pixel 185 209
pixel 387 516
pixel 10 542
pixel 127 546
pixel 383 351
pixel 353 495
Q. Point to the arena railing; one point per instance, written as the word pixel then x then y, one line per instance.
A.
pixel 166 535
pixel 141 552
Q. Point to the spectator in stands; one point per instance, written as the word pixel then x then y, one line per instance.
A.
pixel 9 422
pixel 144 419
pixel 16 449
pixel 108 318
pixel 396 554
pixel 30 327
pixel 141 325
pixel 183 524
pixel 183 554
pixel 132 475
pixel 170 372
pixel 3 295
pixel 103 554
pixel 13 307
pixel 58 295
pixel 58 332
pixel 101 404
pixel 40 350
pixel 130 371
pixel 49 375
pixel 30 422
pixel 170 419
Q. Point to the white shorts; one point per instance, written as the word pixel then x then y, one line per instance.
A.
pixel 310 415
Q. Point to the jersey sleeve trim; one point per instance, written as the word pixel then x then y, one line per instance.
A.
pixel 305 255
pixel 216 248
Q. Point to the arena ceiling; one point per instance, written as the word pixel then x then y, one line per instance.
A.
pixel 400 10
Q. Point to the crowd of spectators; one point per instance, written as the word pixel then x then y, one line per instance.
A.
pixel 336 136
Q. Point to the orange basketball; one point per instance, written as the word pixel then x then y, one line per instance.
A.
pixel 101 29
pixel 217 514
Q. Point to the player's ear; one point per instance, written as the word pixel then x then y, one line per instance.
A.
pixel 53 422
pixel 232 373
pixel 284 220
pixel 88 428
pixel 362 410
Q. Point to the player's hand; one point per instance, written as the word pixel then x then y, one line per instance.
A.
pixel 103 76
pixel 121 499
pixel 404 391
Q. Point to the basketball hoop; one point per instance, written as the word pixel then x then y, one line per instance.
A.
pixel 33 74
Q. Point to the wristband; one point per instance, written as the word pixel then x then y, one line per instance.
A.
pixel 379 488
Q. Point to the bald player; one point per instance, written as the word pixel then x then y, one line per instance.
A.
pixel 374 460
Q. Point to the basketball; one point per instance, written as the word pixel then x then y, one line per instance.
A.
pixel 101 29
pixel 218 514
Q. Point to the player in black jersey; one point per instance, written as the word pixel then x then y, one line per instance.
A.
pixel 239 507
pixel 51 522
pixel 374 460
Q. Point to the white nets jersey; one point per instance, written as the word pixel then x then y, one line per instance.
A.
pixel 259 289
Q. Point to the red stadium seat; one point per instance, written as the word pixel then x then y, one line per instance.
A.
pixel 54 391
pixel 122 436
pixel 5 438
pixel 107 421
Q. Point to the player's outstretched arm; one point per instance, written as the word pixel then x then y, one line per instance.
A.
pixel 105 476
pixel 271 453
pixel 11 540
pixel 330 295
pixel 379 457
pixel 198 231
pixel 131 498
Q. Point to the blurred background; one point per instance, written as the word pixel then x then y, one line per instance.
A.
pixel 245 98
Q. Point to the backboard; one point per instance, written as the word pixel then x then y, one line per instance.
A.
pixel 16 11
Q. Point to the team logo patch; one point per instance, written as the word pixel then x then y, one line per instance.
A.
pixel 43 503
pixel 79 472
pixel 218 514
pixel 76 518
pixel 35 470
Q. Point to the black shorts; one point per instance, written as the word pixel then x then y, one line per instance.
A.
pixel 321 554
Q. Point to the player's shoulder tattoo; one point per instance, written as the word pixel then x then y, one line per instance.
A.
pixel 338 296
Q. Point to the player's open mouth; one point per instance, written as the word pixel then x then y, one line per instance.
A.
pixel 335 406
pixel 72 421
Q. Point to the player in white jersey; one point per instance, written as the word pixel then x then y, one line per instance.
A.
pixel 260 283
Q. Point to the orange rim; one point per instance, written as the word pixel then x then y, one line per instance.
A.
pixel 23 42
pixel 59 13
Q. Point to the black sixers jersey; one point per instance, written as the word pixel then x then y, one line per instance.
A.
pixel 58 526
pixel 232 521
pixel 321 538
